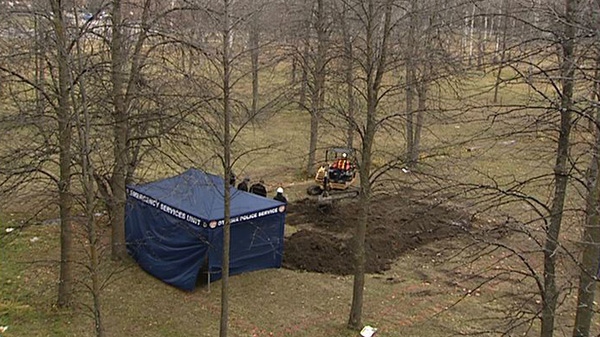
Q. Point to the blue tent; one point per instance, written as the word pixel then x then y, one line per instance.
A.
pixel 174 227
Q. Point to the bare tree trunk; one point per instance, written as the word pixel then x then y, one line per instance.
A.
pixel 349 76
pixel 318 92
pixel 355 318
pixel 471 29
pixel 561 173
pixel 485 28
pixel 227 41
pixel 314 137
pixel 95 271
pixel 124 91
pixel 421 108
pixel 376 54
pixel 84 128
pixel 39 66
pixel 293 71
pixel 410 84
pixel 118 178
pixel 65 286
pixel 254 53
pixel 481 46
pixel 421 88
pixel 503 51
pixel 491 30
pixel 90 199
pixel 304 77
pixel 595 96
pixel 590 239
pixel 410 81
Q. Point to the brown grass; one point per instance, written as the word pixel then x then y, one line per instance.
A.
pixel 428 292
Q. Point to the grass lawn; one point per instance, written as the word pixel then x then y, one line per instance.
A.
pixel 434 290
pixel 409 300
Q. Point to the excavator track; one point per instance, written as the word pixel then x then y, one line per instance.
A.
pixel 328 197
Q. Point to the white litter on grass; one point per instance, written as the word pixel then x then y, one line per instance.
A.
pixel 34 239
pixel 368 331
pixel 405 170
pixel 9 229
pixel 3 328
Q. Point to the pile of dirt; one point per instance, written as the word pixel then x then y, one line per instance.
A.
pixel 324 240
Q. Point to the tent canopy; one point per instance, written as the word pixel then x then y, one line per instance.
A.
pixel 174 228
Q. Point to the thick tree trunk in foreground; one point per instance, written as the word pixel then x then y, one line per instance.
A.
pixel 561 171
pixel 226 63
pixel 65 286
pixel 84 130
pixel 590 258
pixel 376 54
pixel 119 176
pixel 126 79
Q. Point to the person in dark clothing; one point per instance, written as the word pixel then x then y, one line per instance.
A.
pixel 279 196
pixel 342 169
pixel 243 186
pixel 259 189
pixel 232 178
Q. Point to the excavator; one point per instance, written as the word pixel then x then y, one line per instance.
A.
pixel 336 179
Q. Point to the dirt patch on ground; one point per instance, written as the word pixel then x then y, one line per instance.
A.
pixel 323 242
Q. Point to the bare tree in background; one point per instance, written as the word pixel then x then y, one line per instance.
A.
pixel 558 117
pixel 314 56
pixel 504 17
pixel 254 45
pixel 346 29
pixel 428 63
pixel 413 128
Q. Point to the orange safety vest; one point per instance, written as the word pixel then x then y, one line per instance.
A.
pixel 341 164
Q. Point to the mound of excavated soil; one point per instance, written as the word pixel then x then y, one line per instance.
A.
pixel 324 240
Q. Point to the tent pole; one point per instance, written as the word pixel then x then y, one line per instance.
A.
pixel 208 280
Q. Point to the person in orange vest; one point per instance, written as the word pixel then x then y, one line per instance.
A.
pixel 342 163
pixel 341 167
